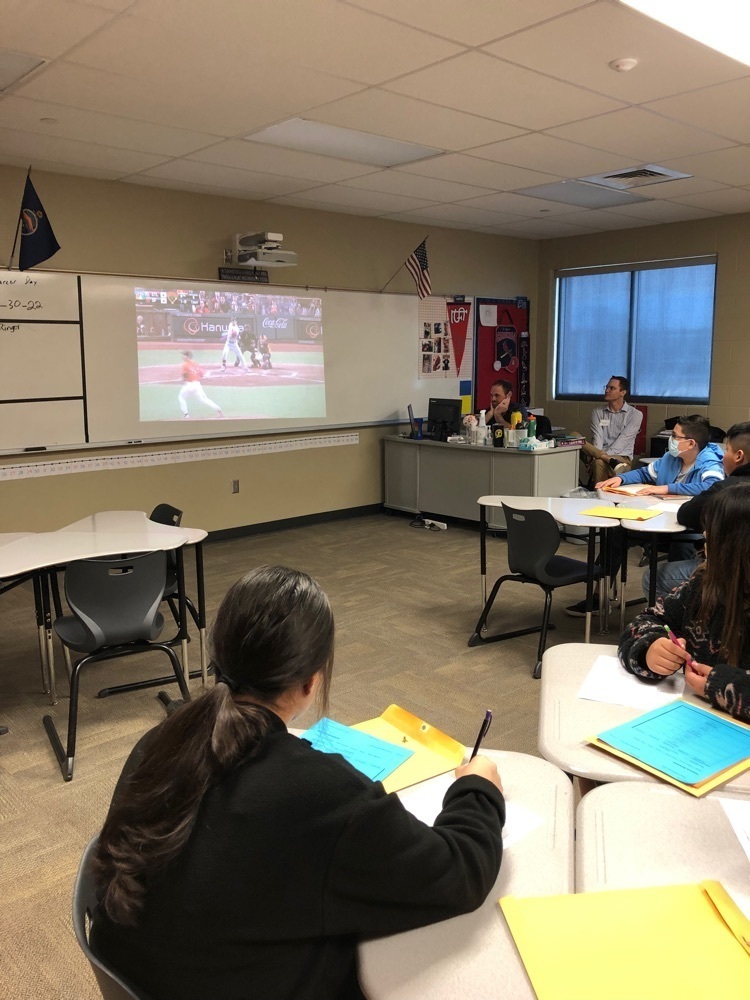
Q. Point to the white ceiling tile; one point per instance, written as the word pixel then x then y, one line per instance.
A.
pixel 251 182
pixel 461 213
pixel 547 229
pixel 601 219
pixel 334 194
pixel 521 204
pixel 55 166
pixel 48 28
pixel 480 84
pixel 482 173
pixel 728 201
pixel 578 47
pixel 640 135
pixel 661 211
pixel 472 21
pixel 395 181
pixel 263 37
pixel 326 207
pixel 676 189
pixel 425 221
pixel 540 152
pixel 728 166
pixel 70 154
pixel 107 130
pixel 215 190
pixel 398 117
pixel 275 159
pixel 187 104
pixel 722 109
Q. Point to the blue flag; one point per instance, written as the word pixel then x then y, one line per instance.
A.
pixel 38 242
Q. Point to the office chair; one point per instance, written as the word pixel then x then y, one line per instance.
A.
pixel 115 605
pixel 111 986
pixel 533 541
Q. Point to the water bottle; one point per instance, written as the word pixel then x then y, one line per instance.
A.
pixel 532 426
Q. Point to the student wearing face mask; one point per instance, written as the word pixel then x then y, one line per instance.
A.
pixel 692 464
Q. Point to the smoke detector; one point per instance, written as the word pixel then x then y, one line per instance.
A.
pixel 623 65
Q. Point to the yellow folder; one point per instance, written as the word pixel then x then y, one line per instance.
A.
pixel 684 941
pixel 434 752
pixel 622 513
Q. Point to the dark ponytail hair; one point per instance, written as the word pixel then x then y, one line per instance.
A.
pixel 273 631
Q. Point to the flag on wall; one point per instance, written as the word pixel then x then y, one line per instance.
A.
pixel 38 241
pixel 419 268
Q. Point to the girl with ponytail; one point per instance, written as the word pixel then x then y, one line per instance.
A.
pixel 237 862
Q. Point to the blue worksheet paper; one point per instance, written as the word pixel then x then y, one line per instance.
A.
pixel 373 757
pixel 682 741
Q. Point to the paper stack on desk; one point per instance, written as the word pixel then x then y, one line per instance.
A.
pixel 692 748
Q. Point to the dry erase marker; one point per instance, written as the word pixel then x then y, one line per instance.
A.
pixel 673 638
pixel 483 730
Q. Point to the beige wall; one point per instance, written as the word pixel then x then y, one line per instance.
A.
pixel 729 237
pixel 131 229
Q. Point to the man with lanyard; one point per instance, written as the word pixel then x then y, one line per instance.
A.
pixel 614 428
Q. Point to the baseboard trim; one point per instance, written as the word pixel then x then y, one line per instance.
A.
pixel 294 522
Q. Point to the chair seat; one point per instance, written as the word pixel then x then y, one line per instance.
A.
pixel 76 637
pixel 561 571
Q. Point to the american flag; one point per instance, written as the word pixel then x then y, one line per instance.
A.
pixel 419 269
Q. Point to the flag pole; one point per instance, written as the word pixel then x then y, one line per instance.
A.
pixel 399 268
pixel 18 224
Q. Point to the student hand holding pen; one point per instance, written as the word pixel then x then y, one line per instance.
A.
pixel 482 766
pixel 667 655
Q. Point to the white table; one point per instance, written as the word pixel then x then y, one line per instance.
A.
pixel 630 834
pixel 473 956
pixel 565 722
pixel 566 511
pixel 109 533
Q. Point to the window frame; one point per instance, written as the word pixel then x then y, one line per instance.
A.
pixel 631 268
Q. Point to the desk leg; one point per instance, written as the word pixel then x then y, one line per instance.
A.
pixel 200 583
pixel 590 582
pixel 652 564
pixel 604 583
pixel 39 608
pixel 483 551
pixel 50 652
pixel 182 606
pixel 624 581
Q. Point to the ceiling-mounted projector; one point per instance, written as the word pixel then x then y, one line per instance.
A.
pixel 262 250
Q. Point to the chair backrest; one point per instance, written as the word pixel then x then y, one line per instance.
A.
pixel 111 986
pixel 164 513
pixel 117 600
pixel 533 538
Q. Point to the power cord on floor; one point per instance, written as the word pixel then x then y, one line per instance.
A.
pixel 426 522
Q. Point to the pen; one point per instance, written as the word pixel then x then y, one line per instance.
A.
pixel 483 730
pixel 673 638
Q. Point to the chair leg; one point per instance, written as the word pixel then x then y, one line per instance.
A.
pixel 154 681
pixel 66 757
pixel 536 673
pixel 477 639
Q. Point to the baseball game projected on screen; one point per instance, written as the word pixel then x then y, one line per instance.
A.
pixel 206 354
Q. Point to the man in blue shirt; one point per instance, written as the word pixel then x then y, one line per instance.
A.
pixel 614 428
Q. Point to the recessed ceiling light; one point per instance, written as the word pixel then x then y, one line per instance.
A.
pixel 344 143
pixel 14 66
pixel 723 25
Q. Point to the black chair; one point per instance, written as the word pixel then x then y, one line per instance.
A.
pixel 164 513
pixel 533 541
pixel 111 986
pixel 115 605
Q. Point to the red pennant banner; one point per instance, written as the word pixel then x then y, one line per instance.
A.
pixel 458 324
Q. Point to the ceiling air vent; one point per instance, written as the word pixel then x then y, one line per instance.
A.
pixel 634 177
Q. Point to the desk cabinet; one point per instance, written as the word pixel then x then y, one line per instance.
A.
pixel 433 477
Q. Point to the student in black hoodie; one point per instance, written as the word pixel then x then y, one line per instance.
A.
pixel 736 464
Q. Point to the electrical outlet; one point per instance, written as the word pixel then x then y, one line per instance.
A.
pixel 235 486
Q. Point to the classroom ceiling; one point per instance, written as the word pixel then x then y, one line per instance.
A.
pixel 510 95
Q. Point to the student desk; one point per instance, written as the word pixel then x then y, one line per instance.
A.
pixel 567 511
pixel 565 721
pixel 435 477
pixel 110 533
pixel 473 956
pixel 631 834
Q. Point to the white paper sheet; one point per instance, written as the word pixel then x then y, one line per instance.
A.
pixel 610 682
pixel 426 800
pixel 488 314
pixel 738 814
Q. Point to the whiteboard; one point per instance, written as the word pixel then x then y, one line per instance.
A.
pixel 370 346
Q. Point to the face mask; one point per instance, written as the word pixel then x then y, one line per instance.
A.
pixel 674 447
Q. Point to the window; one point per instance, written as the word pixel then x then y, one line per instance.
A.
pixel 651 322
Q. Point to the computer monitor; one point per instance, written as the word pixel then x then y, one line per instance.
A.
pixel 443 418
pixel 412 421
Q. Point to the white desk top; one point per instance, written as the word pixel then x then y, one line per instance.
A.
pixel 473 956
pixel 630 834
pixel 565 721
pixel 132 521
pixel 567 510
